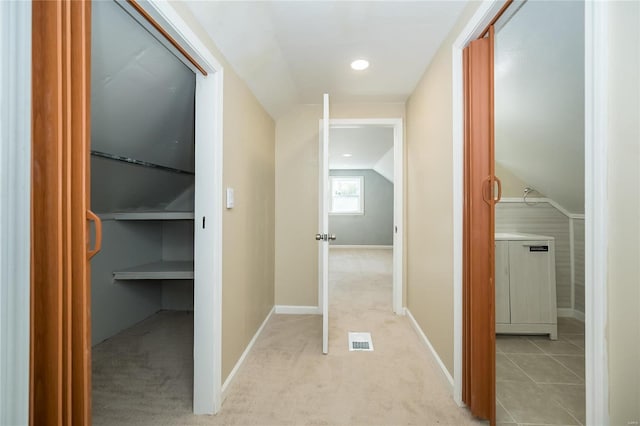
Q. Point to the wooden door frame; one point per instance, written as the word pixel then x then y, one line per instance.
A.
pixel 596 41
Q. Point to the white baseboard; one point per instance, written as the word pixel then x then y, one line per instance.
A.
pixel 236 368
pixel 578 315
pixel 297 310
pixel 360 247
pixel 570 313
pixel 428 344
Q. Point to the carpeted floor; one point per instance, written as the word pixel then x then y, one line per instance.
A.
pixel 143 376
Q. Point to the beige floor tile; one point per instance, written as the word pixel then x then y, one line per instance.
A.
pixel 570 397
pixel 528 403
pixel 544 369
pixel 574 363
pixel 556 347
pixel 570 325
pixel 502 415
pixel 515 345
pixel 506 370
pixel 576 339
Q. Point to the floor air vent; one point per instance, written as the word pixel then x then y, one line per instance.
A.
pixel 360 342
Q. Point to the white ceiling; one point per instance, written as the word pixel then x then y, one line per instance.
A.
pixel 291 52
pixel 539 99
pixel 367 145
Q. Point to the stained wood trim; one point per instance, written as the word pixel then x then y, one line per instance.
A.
pixel 166 35
pixel 60 351
pixel 506 5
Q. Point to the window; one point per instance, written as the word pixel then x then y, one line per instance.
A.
pixel 347 195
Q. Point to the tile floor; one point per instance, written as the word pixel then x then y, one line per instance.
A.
pixel 541 381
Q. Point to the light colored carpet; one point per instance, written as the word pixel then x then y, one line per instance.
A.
pixel 143 375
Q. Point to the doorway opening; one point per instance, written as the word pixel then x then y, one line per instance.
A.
pixel 595 202
pixel 364 193
pixel 539 157
pixel 142 188
pixel 61 282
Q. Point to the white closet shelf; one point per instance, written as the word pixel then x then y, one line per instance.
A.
pixel 163 270
pixel 150 215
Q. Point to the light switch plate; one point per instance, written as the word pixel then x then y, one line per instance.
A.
pixel 230 200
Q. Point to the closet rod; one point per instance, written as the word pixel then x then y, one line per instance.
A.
pixel 139 162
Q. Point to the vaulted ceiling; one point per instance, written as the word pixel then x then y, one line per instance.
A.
pixel 539 99
pixel 291 52
pixel 142 108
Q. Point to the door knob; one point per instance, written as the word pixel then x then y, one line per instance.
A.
pixel 318 237
pixel 332 237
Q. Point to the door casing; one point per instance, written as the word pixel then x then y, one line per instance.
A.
pixel 596 77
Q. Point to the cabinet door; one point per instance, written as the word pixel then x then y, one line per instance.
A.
pixel 503 311
pixel 532 282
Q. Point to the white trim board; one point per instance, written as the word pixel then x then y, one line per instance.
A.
pixel 398 198
pixel 243 357
pixel 596 101
pixel 15 210
pixel 359 247
pixel 298 310
pixel 570 313
pixel 596 234
pixel 207 349
pixel 423 337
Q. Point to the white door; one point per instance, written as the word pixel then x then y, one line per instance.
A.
pixel 323 223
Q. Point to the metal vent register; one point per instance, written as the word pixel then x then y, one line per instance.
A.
pixel 360 342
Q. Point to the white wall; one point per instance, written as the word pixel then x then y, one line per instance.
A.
pixel 539 99
pixel 15 172
pixel 623 187
pixel 384 166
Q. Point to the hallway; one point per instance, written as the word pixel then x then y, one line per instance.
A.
pixel 285 379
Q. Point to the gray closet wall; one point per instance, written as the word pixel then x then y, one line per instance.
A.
pixel 375 226
pixel 142 110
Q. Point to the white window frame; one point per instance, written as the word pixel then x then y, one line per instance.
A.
pixel 360 212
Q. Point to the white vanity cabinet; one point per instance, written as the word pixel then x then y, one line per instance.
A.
pixel 525 285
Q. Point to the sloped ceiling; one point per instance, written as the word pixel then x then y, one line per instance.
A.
pixel 290 52
pixel 142 107
pixel 539 99
pixel 364 147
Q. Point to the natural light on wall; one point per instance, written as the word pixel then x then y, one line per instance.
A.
pixel 347 195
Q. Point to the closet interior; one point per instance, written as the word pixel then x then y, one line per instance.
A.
pixel 142 180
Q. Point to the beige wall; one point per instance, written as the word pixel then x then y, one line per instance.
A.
pixel 429 226
pixel 624 213
pixel 297 139
pixel 248 228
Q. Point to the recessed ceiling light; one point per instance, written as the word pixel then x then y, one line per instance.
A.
pixel 360 64
pixel 346 155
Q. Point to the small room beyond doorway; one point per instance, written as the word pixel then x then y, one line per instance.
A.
pixel 361 209
pixel 539 223
pixel 142 187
